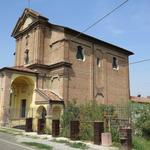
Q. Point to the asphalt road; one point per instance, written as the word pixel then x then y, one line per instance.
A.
pixel 8 142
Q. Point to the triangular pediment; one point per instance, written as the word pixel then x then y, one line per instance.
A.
pixel 28 18
pixel 26 23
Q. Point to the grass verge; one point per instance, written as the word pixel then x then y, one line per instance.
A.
pixel 38 145
pixel 140 143
pixel 73 144
pixel 15 132
pixel 78 145
pixel 9 131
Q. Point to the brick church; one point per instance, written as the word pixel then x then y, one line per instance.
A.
pixel 52 67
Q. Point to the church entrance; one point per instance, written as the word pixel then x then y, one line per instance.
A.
pixel 41 124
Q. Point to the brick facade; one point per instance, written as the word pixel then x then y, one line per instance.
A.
pixel 51 52
pixel 51 44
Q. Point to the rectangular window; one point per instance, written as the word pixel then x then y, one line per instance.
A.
pixel 115 63
pixel 98 62
pixel 23 108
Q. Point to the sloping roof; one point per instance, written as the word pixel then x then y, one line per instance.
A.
pixel 52 96
pixel 66 30
pixel 140 99
pixel 35 13
pixel 49 95
pixel 123 50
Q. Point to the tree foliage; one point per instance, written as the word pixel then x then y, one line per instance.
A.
pixel 87 113
pixel 141 119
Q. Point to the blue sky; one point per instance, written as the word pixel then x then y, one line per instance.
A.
pixel 129 27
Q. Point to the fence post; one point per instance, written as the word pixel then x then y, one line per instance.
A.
pixel 74 130
pixel 126 138
pixel 98 130
pixel 129 135
pixel 28 127
pixel 41 126
pixel 55 128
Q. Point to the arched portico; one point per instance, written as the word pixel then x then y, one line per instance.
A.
pixel 41 114
pixel 21 99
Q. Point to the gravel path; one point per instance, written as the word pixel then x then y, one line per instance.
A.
pixel 59 146
pixel 47 140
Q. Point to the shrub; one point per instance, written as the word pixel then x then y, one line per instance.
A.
pixel 141 119
pixel 140 143
pixel 47 131
pixel 71 112
pixel 87 113
pixel 146 129
pixel 115 135
pixel 86 131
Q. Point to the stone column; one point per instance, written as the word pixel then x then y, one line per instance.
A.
pixel 5 98
pixel 49 119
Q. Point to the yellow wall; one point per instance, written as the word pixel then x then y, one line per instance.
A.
pixel 22 88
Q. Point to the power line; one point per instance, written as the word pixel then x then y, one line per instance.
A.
pixel 140 61
pixel 95 23
pixel 102 18
pixel 98 21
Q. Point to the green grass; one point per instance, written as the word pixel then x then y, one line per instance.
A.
pixel 60 141
pixel 78 145
pixel 140 143
pixel 72 144
pixel 116 144
pixel 13 132
pixel 38 145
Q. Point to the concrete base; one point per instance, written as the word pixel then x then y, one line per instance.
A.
pixel 106 139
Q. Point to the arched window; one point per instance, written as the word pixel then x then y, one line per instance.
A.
pixel 80 53
pixel 115 64
pixel 26 57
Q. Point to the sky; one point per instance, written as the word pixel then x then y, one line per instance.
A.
pixel 128 27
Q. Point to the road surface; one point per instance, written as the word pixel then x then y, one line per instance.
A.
pixel 8 142
pixel 11 142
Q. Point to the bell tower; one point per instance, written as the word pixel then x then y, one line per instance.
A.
pixel 29 35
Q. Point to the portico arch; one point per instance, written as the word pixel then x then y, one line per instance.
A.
pixel 21 99
pixel 41 112
pixel 41 119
